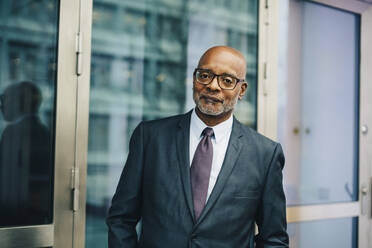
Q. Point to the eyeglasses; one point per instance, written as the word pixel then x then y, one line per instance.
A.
pixel 225 81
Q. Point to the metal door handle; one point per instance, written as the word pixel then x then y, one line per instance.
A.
pixel 364 201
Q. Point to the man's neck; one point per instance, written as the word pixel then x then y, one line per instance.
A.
pixel 212 120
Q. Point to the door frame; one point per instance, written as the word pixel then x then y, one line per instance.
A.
pixel 82 120
pixel 72 114
pixel 65 140
pixel 267 114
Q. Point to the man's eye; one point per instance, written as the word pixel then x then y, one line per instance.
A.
pixel 227 80
pixel 204 75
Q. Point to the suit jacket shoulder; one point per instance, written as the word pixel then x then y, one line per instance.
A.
pixel 165 127
pixel 252 136
pixel 257 137
pixel 164 122
pixel 258 147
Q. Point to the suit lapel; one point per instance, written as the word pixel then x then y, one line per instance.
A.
pixel 182 143
pixel 229 162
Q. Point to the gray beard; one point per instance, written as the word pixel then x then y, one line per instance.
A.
pixel 226 107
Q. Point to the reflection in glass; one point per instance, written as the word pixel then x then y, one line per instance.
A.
pixel 340 233
pixel 318 103
pixel 143 58
pixel 25 161
pixel 27 83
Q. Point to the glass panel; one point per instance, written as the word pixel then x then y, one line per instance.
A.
pixel 318 103
pixel 28 49
pixel 340 233
pixel 143 57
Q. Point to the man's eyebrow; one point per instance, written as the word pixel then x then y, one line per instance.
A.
pixel 229 74
pixel 224 73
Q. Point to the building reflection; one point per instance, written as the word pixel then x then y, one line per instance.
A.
pixel 143 57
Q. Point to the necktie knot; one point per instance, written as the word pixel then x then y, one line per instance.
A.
pixel 208 132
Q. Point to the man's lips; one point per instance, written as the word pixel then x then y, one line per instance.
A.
pixel 211 98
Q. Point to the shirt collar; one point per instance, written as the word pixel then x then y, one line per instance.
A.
pixel 220 131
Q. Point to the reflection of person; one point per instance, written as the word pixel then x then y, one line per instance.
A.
pixel 202 179
pixel 25 167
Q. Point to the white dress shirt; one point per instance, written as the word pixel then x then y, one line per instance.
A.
pixel 220 141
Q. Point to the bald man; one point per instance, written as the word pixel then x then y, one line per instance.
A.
pixel 202 179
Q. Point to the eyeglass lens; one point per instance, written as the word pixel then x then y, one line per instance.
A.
pixel 224 81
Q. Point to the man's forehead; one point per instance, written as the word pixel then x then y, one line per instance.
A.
pixel 222 52
pixel 224 57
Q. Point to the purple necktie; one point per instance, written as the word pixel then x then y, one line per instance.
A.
pixel 201 170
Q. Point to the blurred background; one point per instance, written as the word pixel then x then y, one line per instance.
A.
pixel 307 89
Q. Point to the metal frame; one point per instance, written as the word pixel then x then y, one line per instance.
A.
pixel 65 123
pixel 65 131
pixel 82 118
pixel 267 67
pixel 365 139
pixel 267 113
pixel 33 236
pixel 321 212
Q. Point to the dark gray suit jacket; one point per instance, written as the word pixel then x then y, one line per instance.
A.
pixel 155 187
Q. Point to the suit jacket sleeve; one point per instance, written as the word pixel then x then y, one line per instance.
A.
pixel 125 210
pixel 271 218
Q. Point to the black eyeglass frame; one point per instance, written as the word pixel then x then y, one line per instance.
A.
pixel 238 80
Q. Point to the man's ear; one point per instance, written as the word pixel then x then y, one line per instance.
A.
pixel 243 89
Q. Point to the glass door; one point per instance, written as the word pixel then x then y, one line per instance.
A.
pixel 143 57
pixel 322 122
pixel 37 96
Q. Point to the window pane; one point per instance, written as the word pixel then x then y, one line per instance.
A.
pixel 28 48
pixel 340 233
pixel 318 104
pixel 143 57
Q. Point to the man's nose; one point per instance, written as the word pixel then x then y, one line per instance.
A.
pixel 213 86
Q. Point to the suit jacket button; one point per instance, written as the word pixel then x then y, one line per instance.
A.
pixel 193 236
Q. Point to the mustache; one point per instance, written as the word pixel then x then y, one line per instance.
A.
pixel 210 97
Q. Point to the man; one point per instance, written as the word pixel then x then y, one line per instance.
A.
pixel 202 179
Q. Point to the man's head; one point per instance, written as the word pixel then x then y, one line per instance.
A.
pixel 20 99
pixel 210 98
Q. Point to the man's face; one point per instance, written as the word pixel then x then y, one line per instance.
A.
pixel 211 99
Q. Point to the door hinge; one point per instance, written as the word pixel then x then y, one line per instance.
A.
pixel 264 82
pixel 75 183
pixel 265 71
pixel 79 53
